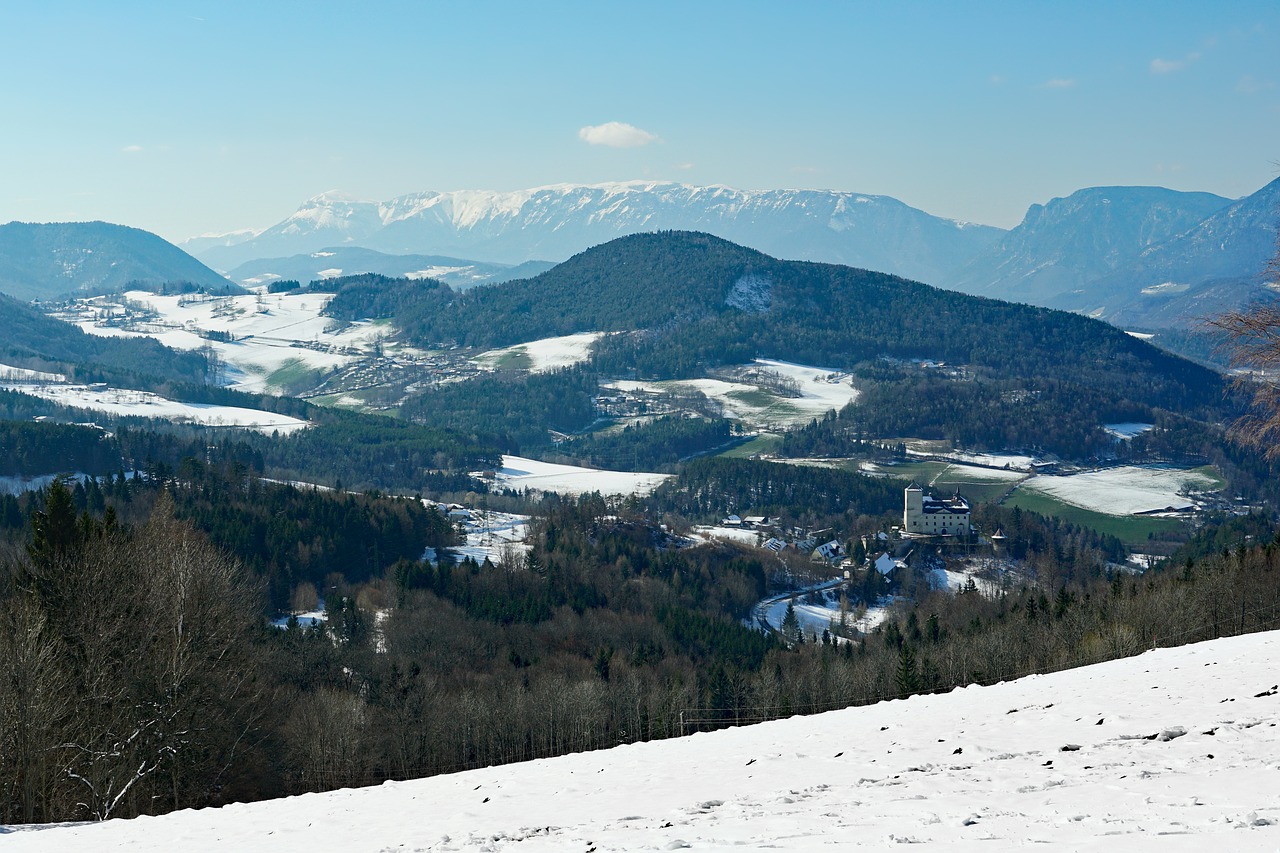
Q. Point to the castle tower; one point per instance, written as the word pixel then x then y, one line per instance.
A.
pixel 913 509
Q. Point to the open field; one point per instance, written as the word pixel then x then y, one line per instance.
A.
pixel 1129 529
pixel 763 443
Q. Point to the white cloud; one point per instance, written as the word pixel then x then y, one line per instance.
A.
pixel 131 149
pixel 1060 83
pixel 616 134
pixel 1250 85
pixel 684 166
pixel 1168 66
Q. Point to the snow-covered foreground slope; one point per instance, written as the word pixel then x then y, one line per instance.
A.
pixel 1174 750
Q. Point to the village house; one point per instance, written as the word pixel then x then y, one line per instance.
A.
pixel 829 553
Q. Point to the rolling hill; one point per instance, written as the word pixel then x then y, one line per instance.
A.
pixel 34 340
pixel 697 301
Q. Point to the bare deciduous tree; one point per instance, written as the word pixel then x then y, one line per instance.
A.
pixel 1251 340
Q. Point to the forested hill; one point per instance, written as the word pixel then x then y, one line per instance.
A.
pixel 45 261
pixel 703 301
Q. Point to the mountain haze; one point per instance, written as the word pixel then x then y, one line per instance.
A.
pixel 1134 256
pixel 46 261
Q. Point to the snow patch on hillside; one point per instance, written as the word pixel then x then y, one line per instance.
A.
pixel 23 374
pixel 270 331
pixel 819 390
pixel 751 293
pixel 531 475
pixel 143 404
pixel 545 354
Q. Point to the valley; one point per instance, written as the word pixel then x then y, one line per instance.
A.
pixel 664 484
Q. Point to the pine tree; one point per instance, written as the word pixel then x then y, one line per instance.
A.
pixel 791 630
pixel 907 677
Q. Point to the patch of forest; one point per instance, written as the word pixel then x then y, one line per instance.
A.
pixel 655 445
pixel 523 409
pixel 708 489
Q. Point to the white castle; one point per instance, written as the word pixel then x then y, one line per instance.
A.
pixel 925 515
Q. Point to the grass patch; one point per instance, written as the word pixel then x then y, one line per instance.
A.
pixel 757 398
pixel 979 492
pixel 762 444
pixel 294 377
pixel 514 359
pixel 921 472
pixel 1212 473
pixel 1132 530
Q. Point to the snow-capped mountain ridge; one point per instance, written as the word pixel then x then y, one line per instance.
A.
pixel 555 221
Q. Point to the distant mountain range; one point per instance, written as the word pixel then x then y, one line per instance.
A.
pixel 1135 256
pixel 45 261
pixel 555 222
pixel 1141 256
pixel 337 261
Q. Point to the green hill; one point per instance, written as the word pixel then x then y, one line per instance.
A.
pixel 695 301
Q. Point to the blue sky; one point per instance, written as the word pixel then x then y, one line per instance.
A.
pixel 186 118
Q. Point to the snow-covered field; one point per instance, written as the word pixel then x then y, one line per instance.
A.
pixel 1124 490
pixel 492 536
pixel 18 485
pixel 546 354
pixel 1173 750
pixel 143 404
pixel 821 390
pixel 730 534
pixel 1127 430
pixel 955 473
pixel 529 474
pixel 1013 461
pixel 267 326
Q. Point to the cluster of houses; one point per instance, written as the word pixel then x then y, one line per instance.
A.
pixel 924 517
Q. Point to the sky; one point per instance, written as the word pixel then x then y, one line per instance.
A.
pixel 189 118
